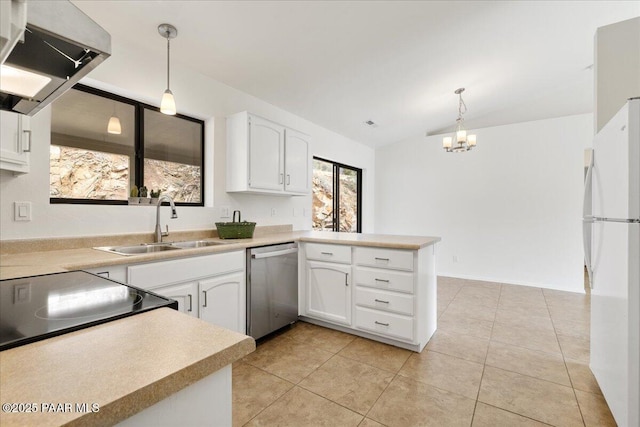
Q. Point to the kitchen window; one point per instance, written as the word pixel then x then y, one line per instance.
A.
pixel 337 196
pixel 90 165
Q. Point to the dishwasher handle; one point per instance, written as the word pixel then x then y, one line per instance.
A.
pixel 274 253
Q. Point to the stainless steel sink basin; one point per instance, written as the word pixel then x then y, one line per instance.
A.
pixel 138 249
pixel 197 244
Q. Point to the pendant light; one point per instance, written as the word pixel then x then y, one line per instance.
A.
pixel 168 104
pixel 464 142
pixel 114 126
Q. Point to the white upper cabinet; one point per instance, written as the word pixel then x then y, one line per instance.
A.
pixel 264 157
pixel 296 161
pixel 15 142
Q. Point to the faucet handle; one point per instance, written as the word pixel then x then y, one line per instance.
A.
pixel 165 233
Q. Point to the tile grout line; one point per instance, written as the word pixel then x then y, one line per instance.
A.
pixel 575 395
pixel 484 364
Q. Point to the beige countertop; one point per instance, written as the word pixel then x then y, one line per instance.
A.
pixel 109 365
pixel 55 259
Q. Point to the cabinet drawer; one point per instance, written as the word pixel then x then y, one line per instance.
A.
pixel 386 301
pixel 381 323
pixel 384 279
pixel 384 258
pixel 181 270
pixel 330 253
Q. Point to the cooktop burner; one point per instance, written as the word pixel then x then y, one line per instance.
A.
pixel 39 307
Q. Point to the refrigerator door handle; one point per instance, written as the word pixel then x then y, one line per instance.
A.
pixel 587 187
pixel 586 224
pixel 587 221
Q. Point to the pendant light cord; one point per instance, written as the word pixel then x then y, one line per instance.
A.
pixel 168 53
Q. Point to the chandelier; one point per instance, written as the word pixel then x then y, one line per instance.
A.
pixel 464 142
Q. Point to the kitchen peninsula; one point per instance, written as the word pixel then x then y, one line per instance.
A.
pixel 387 283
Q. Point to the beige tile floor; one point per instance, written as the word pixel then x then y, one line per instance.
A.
pixel 503 355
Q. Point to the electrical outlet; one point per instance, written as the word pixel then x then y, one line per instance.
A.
pixel 274 212
pixel 225 212
pixel 455 258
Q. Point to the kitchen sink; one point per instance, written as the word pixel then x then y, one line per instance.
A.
pixel 147 248
pixel 197 244
pixel 138 249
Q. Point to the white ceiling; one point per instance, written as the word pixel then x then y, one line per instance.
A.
pixel 397 63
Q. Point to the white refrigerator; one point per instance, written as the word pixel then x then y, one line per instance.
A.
pixel 614 263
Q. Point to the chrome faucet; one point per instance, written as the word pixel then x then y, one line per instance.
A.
pixel 159 233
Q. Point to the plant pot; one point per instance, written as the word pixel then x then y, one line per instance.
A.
pixel 154 201
pixel 134 200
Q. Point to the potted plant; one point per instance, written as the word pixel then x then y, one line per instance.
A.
pixel 155 195
pixel 133 196
pixel 143 195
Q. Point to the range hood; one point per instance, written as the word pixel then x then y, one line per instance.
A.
pixel 61 45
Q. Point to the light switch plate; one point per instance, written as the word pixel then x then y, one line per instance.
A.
pixel 22 211
pixel 225 212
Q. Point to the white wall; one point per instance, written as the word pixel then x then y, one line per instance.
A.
pixel 136 75
pixel 510 210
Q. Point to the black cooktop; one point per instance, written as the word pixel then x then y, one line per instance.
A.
pixel 38 307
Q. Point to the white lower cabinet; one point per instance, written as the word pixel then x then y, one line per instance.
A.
pixel 222 301
pixel 387 295
pixel 328 293
pixel 186 294
pixel 211 287
pixel 382 323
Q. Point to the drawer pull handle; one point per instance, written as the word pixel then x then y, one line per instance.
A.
pixel 380 323
pixel 190 303
pixel 327 253
pixel 381 259
pixel 379 300
pixel 346 279
pixel 381 280
pixel 205 299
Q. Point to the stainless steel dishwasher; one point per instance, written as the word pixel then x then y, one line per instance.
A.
pixel 272 288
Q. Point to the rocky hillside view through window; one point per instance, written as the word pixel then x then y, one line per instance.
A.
pixel 77 173
pixel 323 202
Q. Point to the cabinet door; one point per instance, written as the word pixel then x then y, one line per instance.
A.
pixel 223 301
pixel 185 293
pixel 15 142
pixel 296 162
pixel 266 154
pixel 328 292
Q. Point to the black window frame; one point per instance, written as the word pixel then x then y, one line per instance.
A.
pixel 336 193
pixel 138 148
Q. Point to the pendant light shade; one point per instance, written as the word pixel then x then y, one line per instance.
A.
pixel 114 126
pixel 168 103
